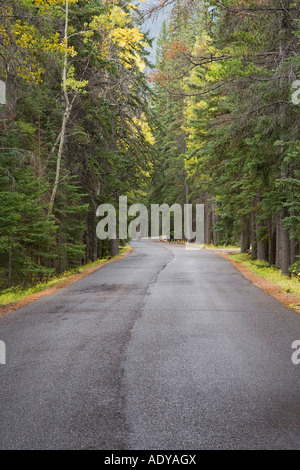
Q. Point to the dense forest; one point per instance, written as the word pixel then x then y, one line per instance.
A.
pixel 74 132
pixel 86 120
pixel 226 93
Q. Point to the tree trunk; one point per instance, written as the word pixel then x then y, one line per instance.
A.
pixel 10 257
pixel 261 251
pixel 114 247
pixel 272 241
pixel 253 236
pixel 261 246
pixel 245 239
pixel 86 241
pixel 215 219
pixel 293 251
pixel 95 247
pixel 66 115
pixel 278 240
pixel 285 247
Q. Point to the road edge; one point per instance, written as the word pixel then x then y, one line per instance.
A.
pixel 287 299
pixel 12 306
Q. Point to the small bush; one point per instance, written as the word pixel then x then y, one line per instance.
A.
pixel 295 270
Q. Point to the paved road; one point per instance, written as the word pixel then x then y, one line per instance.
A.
pixel 165 349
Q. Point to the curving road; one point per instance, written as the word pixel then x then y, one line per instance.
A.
pixel 165 349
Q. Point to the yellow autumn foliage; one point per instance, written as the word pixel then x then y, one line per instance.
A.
pixel 142 126
pixel 115 28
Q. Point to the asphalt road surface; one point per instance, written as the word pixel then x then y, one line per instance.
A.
pixel 165 349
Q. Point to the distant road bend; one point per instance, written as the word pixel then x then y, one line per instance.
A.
pixel 166 349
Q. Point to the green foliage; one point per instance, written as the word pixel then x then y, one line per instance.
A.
pixel 218 122
pixel 295 270
pixel 108 142
pixel 17 293
pixel 271 273
pixel 25 236
pixel 223 83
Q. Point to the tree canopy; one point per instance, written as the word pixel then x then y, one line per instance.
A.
pixel 215 122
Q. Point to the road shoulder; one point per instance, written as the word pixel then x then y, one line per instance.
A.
pixel 287 299
pixel 60 284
